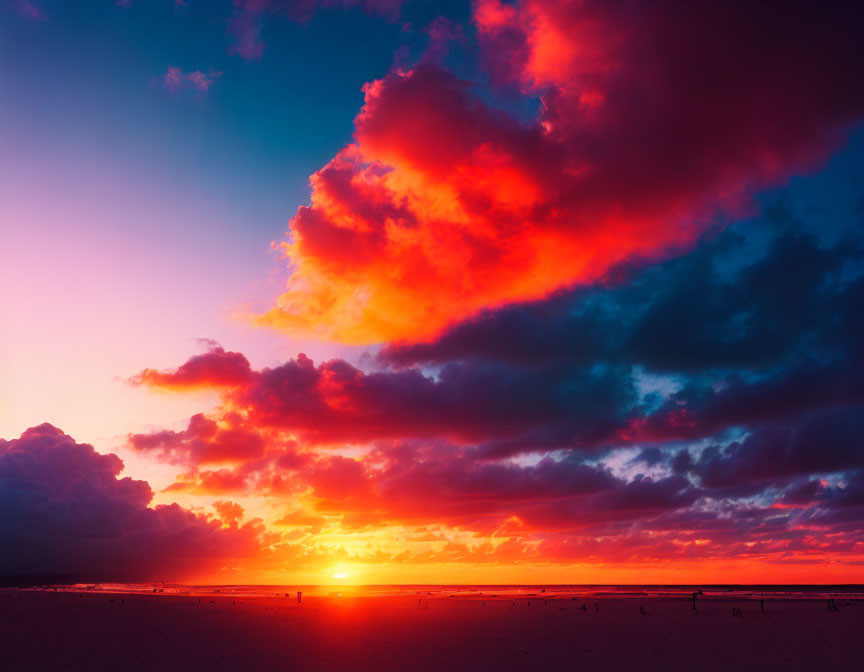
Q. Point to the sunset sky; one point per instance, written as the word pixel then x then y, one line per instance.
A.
pixel 404 291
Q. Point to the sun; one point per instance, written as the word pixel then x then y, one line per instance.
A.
pixel 340 576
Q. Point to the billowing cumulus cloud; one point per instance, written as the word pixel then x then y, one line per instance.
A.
pixel 727 348
pixel 66 516
pixel 335 402
pixel 707 408
pixel 214 368
pixel 655 121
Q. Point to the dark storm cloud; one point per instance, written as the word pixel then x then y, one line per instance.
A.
pixel 66 516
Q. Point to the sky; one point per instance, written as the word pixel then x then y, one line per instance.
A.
pixel 400 291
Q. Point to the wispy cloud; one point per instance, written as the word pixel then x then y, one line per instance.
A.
pixel 175 79
pixel 27 10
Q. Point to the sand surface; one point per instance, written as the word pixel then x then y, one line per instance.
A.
pixel 65 631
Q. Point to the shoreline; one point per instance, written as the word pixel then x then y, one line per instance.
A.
pixel 44 630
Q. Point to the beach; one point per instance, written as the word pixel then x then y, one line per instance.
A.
pixel 46 630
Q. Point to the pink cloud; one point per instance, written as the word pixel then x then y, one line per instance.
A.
pixel 27 10
pixel 175 79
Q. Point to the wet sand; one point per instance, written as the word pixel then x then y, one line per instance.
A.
pixel 94 632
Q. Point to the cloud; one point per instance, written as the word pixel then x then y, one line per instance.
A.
pixel 175 79
pixel 818 443
pixel 683 316
pixel 246 25
pixel 28 10
pixel 335 402
pixel 203 442
pixel 66 516
pixel 704 409
pixel 655 124
pixel 215 368
pixel 771 340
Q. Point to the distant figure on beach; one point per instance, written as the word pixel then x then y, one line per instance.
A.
pixel 832 605
pixel 736 612
pixel 695 595
pixel 597 607
pixel 584 607
pixel 762 605
pixel 299 596
pixel 642 611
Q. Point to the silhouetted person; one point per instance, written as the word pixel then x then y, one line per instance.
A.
pixel 832 605
pixel 583 607
pixel 695 595
pixel 737 612
pixel 642 611
pixel 762 605
pixel 597 607
pixel 299 596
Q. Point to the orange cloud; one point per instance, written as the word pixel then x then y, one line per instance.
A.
pixel 654 124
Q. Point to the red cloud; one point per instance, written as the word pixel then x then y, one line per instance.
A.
pixel 203 442
pixel 231 513
pixel 655 121
pixel 215 368
pixel 560 509
pixel 334 402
